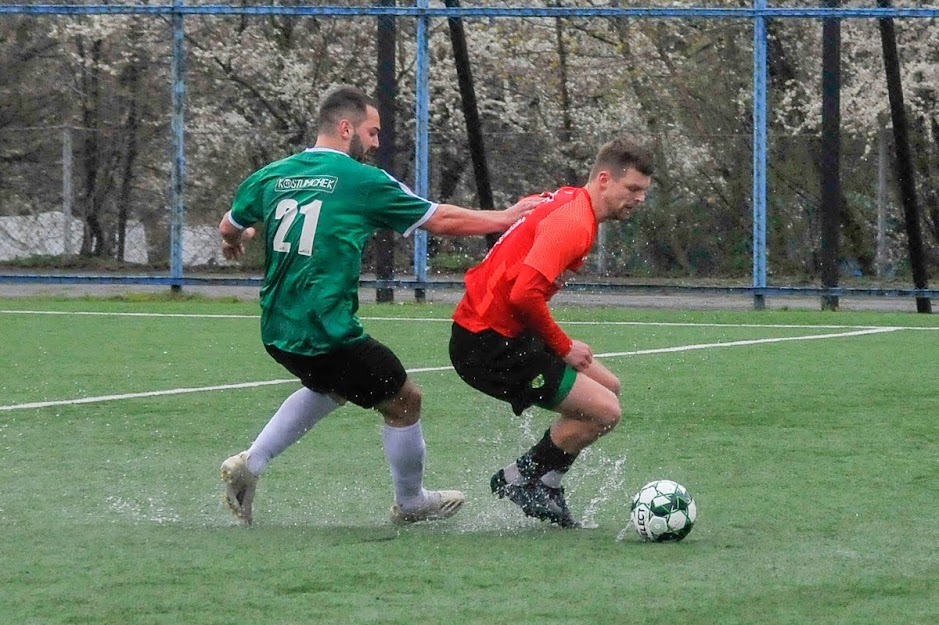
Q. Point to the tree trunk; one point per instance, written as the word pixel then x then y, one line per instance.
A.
pixel 132 128
pixel 89 149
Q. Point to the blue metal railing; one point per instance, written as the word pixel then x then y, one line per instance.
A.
pixel 593 287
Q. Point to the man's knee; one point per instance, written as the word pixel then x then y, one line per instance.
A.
pixel 404 408
pixel 601 411
pixel 609 414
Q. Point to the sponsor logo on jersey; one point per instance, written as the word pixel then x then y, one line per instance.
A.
pixel 316 183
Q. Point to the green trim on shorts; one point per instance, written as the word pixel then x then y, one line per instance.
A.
pixel 564 389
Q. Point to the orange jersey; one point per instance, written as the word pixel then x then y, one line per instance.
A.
pixel 553 239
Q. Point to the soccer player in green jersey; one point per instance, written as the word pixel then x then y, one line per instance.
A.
pixel 319 208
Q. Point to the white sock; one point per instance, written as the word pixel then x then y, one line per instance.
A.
pixel 299 412
pixel 405 450
pixel 512 476
pixel 552 478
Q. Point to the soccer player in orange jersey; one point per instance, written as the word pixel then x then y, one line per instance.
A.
pixel 505 343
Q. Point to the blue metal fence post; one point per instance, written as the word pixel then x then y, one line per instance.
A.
pixel 759 155
pixel 178 175
pixel 422 126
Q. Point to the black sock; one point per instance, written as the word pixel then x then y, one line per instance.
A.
pixel 543 457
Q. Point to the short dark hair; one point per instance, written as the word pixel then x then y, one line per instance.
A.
pixel 621 154
pixel 342 102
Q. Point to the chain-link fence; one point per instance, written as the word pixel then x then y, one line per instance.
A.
pixel 87 148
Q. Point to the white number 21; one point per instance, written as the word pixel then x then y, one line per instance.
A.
pixel 286 212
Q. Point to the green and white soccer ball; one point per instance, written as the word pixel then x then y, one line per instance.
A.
pixel 663 511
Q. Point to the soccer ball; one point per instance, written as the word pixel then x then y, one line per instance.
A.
pixel 663 511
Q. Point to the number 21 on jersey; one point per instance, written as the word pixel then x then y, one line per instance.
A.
pixel 286 212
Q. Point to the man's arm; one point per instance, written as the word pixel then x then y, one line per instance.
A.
pixel 457 221
pixel 233 238
pixel 529 298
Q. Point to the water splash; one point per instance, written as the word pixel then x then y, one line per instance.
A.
pixel 623 533
pixel 612 476
pixel 151 511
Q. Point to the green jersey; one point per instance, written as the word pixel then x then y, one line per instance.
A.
pixel 319 209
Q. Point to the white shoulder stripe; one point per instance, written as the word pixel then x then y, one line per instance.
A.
pixel 420 222
pixel 403 186
pixel 430 211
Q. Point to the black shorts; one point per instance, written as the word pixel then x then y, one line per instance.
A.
pixel 365 373
pixel 522 371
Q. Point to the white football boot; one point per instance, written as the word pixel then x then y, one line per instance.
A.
pixel 438 504
pixel 240 485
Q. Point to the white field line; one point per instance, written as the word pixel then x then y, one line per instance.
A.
pixel 448 320
pixel 687 324
pixel 688 348
pixel 173 391
pixel 662 350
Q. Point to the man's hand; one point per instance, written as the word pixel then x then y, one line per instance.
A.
pixel 233 244
pixel 522 207
pixel 580 356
